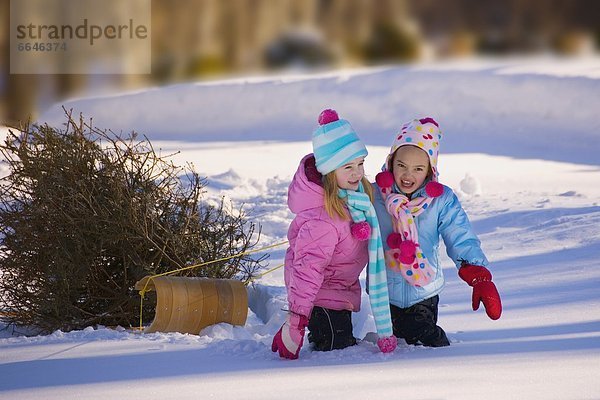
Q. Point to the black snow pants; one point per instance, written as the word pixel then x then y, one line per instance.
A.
pixel 330 329
pixel 418 323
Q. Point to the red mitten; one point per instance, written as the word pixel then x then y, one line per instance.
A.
pixel 484 290
pixel 288 340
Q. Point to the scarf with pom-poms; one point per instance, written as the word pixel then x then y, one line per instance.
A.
pixel 405 253
pixel 362 210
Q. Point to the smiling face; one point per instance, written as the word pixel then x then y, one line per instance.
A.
pixel 410 166
pixel 348 176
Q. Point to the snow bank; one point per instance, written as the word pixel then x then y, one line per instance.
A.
pixel 501 108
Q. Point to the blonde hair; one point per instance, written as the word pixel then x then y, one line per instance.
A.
pixel 334 205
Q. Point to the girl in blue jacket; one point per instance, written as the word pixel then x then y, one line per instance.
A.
pixel 414 210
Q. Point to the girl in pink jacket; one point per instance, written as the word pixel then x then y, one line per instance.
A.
pixel 334 235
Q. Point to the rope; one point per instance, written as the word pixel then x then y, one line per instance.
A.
pixel 145 288
pixel 264 273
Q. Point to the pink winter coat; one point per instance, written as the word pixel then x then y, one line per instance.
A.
pixel 324 260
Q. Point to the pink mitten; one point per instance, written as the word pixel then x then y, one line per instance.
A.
pixel 288 340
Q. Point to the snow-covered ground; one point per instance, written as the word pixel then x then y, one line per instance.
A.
pixel 522 150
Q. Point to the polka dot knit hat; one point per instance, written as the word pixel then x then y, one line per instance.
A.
pixel 424 133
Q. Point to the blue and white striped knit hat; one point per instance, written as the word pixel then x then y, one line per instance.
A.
pixel 335 143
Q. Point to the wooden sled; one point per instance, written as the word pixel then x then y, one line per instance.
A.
pixel 188 305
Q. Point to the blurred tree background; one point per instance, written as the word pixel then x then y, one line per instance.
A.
pixel 206 39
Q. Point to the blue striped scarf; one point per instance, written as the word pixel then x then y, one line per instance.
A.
pixel 361 209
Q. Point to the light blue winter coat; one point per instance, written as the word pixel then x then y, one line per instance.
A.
pixel 445 217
